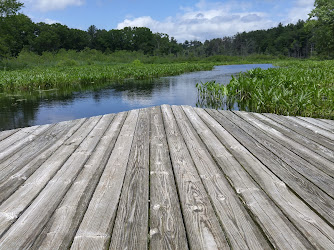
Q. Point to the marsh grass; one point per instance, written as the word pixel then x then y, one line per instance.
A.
pixel 304 88
pixel 63 76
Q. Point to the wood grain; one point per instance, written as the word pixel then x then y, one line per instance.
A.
pixel 7 133
pixel 61 228
pixel 298 128
pixel 30 223
pixel 316 230
pixel 166 224
pixel 131 224
pixel 238 225
pixel 169 178
pixel 95 229
pixel 202 225
pixel 15 146
pixel 317 177
pixel 319 123
pixel 309 192
pixel 312 157
pixel 29 166
pixel 306 142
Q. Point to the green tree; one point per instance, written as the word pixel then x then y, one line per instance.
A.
pixel 9 7
pixel 16 30
pixel 323 26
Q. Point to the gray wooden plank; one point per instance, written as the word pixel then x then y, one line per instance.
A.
pixel 131 224
pixel 95 229
pixel 241 231
pixel 312 157
pixel 61 228
pixel 283 120
pixel 202 225
pixel 318 123
pixel 330 122
pixel 27 168
pixel 16 137
pixel 313 227
pixel 315 129
pixel 310 193
pixel 319 178
pixel 22 142
pixel 315 147
pixel 166 224
pixel 27 153
pixel 7 133
pixel 30 223
pixel 278 229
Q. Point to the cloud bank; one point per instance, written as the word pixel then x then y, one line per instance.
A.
pixel 212 20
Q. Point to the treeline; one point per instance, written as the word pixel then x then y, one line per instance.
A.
pixel 292 40
pixel 314 37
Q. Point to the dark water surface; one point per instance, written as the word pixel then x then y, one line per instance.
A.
pixel 54 105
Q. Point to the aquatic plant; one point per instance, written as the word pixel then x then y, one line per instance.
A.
pixel 64 76
pixel 304 88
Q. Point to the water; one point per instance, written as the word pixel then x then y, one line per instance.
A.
pixel 54 106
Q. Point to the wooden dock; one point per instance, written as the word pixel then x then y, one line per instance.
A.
pixel 169 177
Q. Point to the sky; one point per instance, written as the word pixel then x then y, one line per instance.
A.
pixel 182 19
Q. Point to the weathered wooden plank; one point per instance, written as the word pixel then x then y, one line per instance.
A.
pixel 12 183
pixel 33 149
pixel 319 178
pixel 315 147
pixel 315 129
pixel 61 228
pixel 318 123
pixel 278 229
pixel 315 229
pixel 202 225
pixel 7 133
pixel 16 137
pixel 22 142
pixel 133 206
pixel 302 130
pixel 311 194
pixel 330 122
pixel 28 226
pixel 166 224
pixel 241 231
pixel 95 229
pixel 315 159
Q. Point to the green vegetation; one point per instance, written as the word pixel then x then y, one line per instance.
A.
pixel 303 88
pixel 65 74
pixel 42 56
pixel 313 37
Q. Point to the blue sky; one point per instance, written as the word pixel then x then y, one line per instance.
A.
pixel 182 19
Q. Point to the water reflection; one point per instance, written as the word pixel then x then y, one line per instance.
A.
pixel 58 105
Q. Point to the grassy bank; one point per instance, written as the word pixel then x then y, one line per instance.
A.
pixel 29 71
pixel 65 76
pixel 304 88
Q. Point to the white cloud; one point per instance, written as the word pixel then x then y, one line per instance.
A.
pixel 300 10
pixel 205 21
pixel 48 5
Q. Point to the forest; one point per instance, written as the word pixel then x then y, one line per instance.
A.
pixel 311 38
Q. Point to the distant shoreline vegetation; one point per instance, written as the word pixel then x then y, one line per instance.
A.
pixel 313 37
pixel 31 72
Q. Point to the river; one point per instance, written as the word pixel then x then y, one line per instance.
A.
pixel 53 106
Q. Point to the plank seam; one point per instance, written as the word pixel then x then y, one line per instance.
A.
pixel 43 189
pixel 174 178
pixel 291 189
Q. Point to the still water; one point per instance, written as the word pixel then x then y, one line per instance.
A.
pixel 54 106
